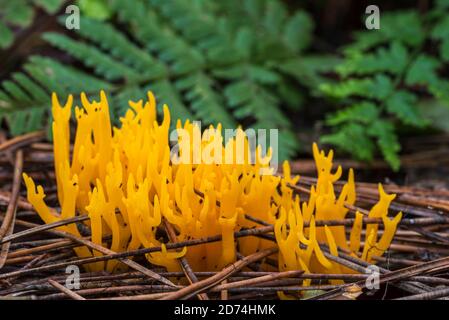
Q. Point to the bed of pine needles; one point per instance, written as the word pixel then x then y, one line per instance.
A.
pixel 34 256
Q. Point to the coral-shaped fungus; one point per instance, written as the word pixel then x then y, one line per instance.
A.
pixel 125 180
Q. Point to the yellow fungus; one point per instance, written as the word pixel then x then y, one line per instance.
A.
pixel 356 233
pixel 128 179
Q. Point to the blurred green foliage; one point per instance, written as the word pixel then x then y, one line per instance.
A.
pixel 385 79
pixel 233 62
pixel 96 9
pixel 240 62
pixel 20 14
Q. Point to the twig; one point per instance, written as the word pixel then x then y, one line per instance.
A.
pixel 217 278
pixel 105 290
pixel 440 293
pixel 5 197
pixel 401 274
pixel 65 290
pixel 92 246
pixel 10 216
pixel 183 261
pixel 224 294
pixel 46 248
pixel 21 141
pixel 128 262
pixel 43 227
pixel 169 246
pixel 259 280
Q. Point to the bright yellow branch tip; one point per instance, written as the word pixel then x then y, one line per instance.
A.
pixel 124 180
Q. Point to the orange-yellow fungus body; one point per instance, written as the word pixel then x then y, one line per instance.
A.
pixel 127 181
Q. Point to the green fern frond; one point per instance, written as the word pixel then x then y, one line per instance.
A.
pixel 392 59
pixel 20 14
pixel 115 43
pixel 25 99
pixel 210 61
pixel 378 83
pixel 206 104
pixel 403 26
pixel 361 144
pixel 102 64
